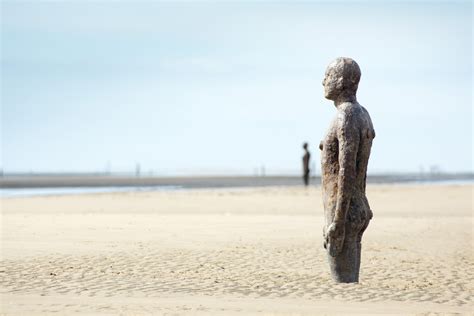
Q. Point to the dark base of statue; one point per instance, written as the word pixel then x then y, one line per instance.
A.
pixel 346 265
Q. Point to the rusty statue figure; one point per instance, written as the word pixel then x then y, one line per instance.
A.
pixel 344 158
pixel 306 158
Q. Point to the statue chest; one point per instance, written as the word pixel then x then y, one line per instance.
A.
pixel 330 152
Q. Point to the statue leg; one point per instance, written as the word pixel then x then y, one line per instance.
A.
pixel 345 266
pixel 306 178
pixel 359 244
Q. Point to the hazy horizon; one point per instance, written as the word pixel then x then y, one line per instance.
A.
pixel 226 88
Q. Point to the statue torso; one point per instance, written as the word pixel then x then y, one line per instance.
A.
pixel 359 210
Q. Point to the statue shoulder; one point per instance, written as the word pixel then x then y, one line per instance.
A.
pixel 348 113
pixel 353 119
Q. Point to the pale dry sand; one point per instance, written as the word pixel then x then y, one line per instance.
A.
pixel 245 251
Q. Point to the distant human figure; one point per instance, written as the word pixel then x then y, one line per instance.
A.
pixel 345 155
pixel 137 170
pixel 306 158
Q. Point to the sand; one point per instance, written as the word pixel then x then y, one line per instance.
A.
pixel 233 251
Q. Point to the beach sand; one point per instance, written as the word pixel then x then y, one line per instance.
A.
pixel 233 251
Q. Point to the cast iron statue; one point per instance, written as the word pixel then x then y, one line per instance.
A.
pixel 344 158
pixel 306 158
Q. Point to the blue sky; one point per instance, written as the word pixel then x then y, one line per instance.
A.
pixel 225 87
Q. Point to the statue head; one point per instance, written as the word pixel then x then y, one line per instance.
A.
pixel 305 146
pixel 341 79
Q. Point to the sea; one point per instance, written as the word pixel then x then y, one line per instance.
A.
pixel 27 192
pixel 13 187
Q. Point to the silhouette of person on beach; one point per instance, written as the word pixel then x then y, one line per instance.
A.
pixel 306 158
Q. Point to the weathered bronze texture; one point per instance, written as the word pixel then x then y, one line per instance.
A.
pixel 345 153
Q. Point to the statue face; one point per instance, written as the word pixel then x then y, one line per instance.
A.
pixel 342 76
pixel 331 83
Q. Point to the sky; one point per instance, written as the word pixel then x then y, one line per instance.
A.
pixel 229 87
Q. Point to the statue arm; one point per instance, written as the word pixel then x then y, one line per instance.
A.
pixel 348 138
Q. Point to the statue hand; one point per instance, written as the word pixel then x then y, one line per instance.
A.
pixel 335 234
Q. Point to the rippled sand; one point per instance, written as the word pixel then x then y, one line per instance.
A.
pixel 248 251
